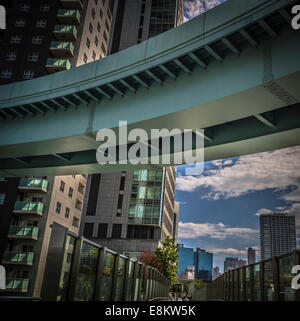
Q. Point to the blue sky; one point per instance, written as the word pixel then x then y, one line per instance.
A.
pixel 219 209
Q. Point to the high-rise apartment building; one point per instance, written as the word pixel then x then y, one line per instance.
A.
pixel 232 263
pixel 277 234
pixel 130 211
pixel 44 36
pixel 251 255
pixel 137 20
pixel 29 207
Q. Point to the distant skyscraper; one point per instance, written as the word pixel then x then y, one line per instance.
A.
pixel 232 263
pixel 277 234
pixel 216 272
pixel 203 262
pixel 251 255
pixel 199 258
pixel 185 258
pixel 135 21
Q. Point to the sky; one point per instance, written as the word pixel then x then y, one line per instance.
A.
pixel 219 209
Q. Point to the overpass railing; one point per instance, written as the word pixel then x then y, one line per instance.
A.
pixel 268 280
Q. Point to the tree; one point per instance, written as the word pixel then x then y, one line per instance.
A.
pixel 168 257
pixel 199 284
pixel 149 258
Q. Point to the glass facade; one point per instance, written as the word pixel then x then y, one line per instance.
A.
pixel 146 197
pixel 285 278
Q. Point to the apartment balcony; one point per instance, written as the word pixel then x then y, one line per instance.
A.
pixel 20 232
pixel 34 185
pixel 56 65
pixel 68 17
pixel 35 208
pixel 17 285
pixel 65 33
pixel 18 258
pixel 62 49
pixel 72 4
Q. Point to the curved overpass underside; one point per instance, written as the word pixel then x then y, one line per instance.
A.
pixel 233 71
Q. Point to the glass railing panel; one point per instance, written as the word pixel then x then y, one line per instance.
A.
pixel 107 276
pixel 256 283
pixel 286 264
pixel 120 279
pixel 86 277
pixel 269 286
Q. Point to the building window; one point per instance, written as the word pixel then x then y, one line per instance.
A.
pixel 67 212
pixel 62 186
pixel 58 207
pixel 109 14
pixel 41 23
pixel 116 231
pixel 96 41
pixel 33 57
pixel 105 36
pixel 88 43
pixel 98 27
pixel 103 49
pixel 106 25
pixel 93 13
pixel 75 221
pixel 96 2
pixel 102 231
pixel 88 230
pixel 94 55
pixel 44 8
pixel 15 39
pixel 25 8
pixel 70 192
pixel 6 74
pixel 28 74
pixel 20 23
pixel 91 28
pixel 11 56
pixel 103 2
pixel 2 198
pixel 85 58
pixel 101 13
pixel 37 40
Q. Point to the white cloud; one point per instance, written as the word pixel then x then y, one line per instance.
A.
pixel 193 8
pixel 263 211
pixel 275 170
pixel 228 251
pixel 218 231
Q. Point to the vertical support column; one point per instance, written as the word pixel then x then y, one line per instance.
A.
pixel 141 296
pixel 145 283
pixel 275 268
pixel 126 278
pixel 115 277
pixel 99 273
pixel 134 280
pixel 74 269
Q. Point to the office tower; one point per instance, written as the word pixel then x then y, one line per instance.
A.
pixel 277 234
pixel 137 20
pixel 232 263
pixel 29 207
pixel 130 211
pixel 199 258
pixel 49 36
pixel 185 258
pixel 203 262
pixel 251 255
pixel 216 272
